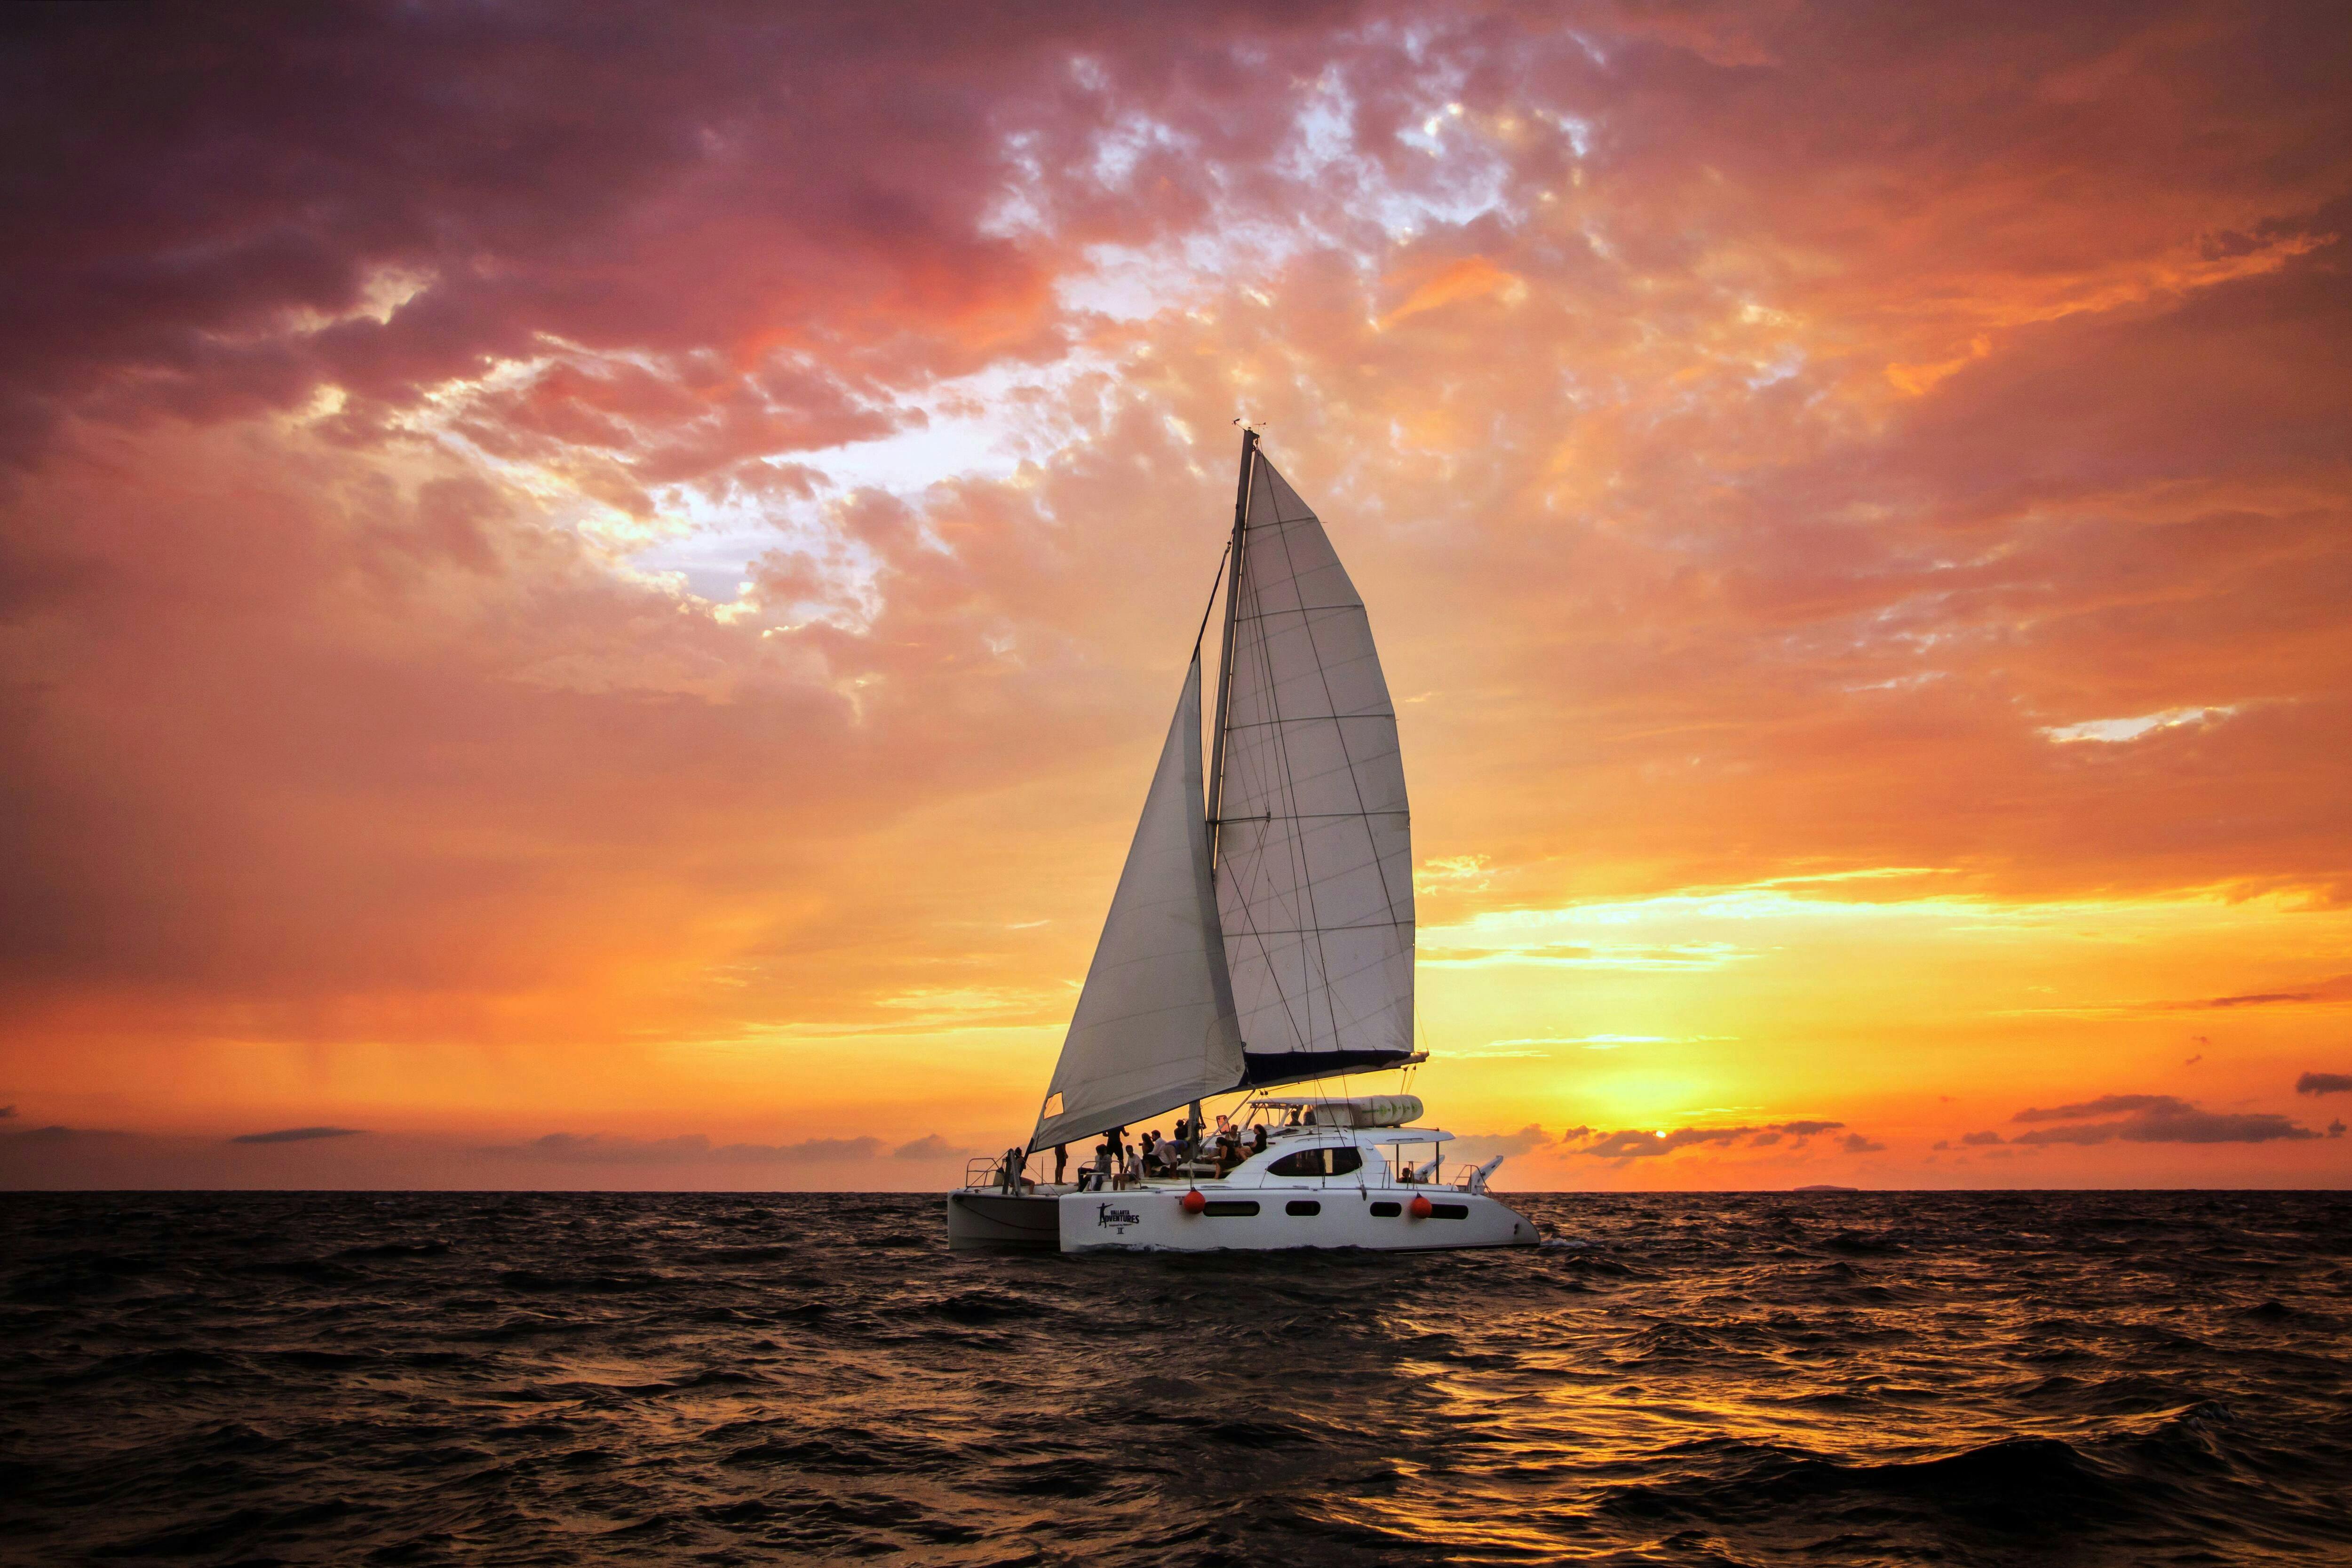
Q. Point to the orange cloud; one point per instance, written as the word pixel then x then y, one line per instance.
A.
pixel 1471 277
pixel 648 621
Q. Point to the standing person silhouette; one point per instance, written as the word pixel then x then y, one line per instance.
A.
pixel 1061 1163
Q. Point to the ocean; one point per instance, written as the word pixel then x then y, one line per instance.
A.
pixel 1820 1378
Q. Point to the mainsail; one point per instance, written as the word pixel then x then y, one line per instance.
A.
pixel 1314 843
pixel 1154 1026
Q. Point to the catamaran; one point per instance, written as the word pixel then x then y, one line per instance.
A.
pixel 1260 939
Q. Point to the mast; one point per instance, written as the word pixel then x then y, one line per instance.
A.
pixel 1226 648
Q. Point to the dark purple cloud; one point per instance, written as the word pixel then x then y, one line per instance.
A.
pixel 296 1135
pixel 1635 1143
pixel 2155 1118
pixel 2105 1105
pixel 216 213
pixel 608 1149
pixel 2324 1083
pixel 2336 988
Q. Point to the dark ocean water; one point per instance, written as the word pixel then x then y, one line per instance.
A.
pixel 364 1378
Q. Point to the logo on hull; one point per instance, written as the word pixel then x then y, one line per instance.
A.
pixel 1106 1215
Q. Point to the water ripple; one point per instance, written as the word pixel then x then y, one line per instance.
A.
pixel 1865 1378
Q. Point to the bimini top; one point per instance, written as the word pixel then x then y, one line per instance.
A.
pixel 1369 1111
pixel 1264 935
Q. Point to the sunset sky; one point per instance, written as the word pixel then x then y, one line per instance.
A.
pixel 588 594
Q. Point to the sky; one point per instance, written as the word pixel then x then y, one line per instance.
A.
pixel 588 594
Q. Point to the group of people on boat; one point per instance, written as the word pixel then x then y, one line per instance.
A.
pixel 1190 1150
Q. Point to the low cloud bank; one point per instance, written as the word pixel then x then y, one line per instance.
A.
pixel 2147 1119
pixel 1477 1148
pixel 297 1134
pixel 693 1148
pixel 2334 989
pixel 63 1157
pixel 1635 1143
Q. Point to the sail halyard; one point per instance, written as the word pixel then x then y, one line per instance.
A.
pixel 1154 1026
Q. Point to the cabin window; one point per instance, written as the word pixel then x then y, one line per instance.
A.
pixel 1302 1207
pixel 1443 1211
pixel 1387 1211
pixel 1318 1163
pixel 1231 1208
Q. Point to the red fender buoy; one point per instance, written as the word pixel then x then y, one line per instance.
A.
pixel 1420 1207
pixel 1192 1201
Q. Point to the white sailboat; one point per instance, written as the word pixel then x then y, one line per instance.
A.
pixel 1261 938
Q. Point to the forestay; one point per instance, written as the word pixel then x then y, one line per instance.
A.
pixel 1154 1026
pixel 1314 868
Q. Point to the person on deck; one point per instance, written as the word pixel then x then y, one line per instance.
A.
pixel 1102 1165
pixel 1061 1163
pixel 1257 1140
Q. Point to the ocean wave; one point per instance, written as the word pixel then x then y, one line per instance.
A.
pixel 1994 1378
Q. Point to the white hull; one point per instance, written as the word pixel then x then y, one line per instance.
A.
pixel 985 1220
pixel 1274 1219
pixel 1235 1219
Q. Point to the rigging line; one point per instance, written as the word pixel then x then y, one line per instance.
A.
pixel 1303 930
pixel 1201 635
pixel 1290 792
pixel 1337 718
pixel 1303 610
pixel 1302 870
pixel 1309 816
pixel 1331 994
pixel 1340 731
pixel 1260 864
pixel 1237 546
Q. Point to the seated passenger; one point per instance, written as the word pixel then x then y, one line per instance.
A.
pixel 1258 1139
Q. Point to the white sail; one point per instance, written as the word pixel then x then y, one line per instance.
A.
pixel 1314 873
pixel 1154 1026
